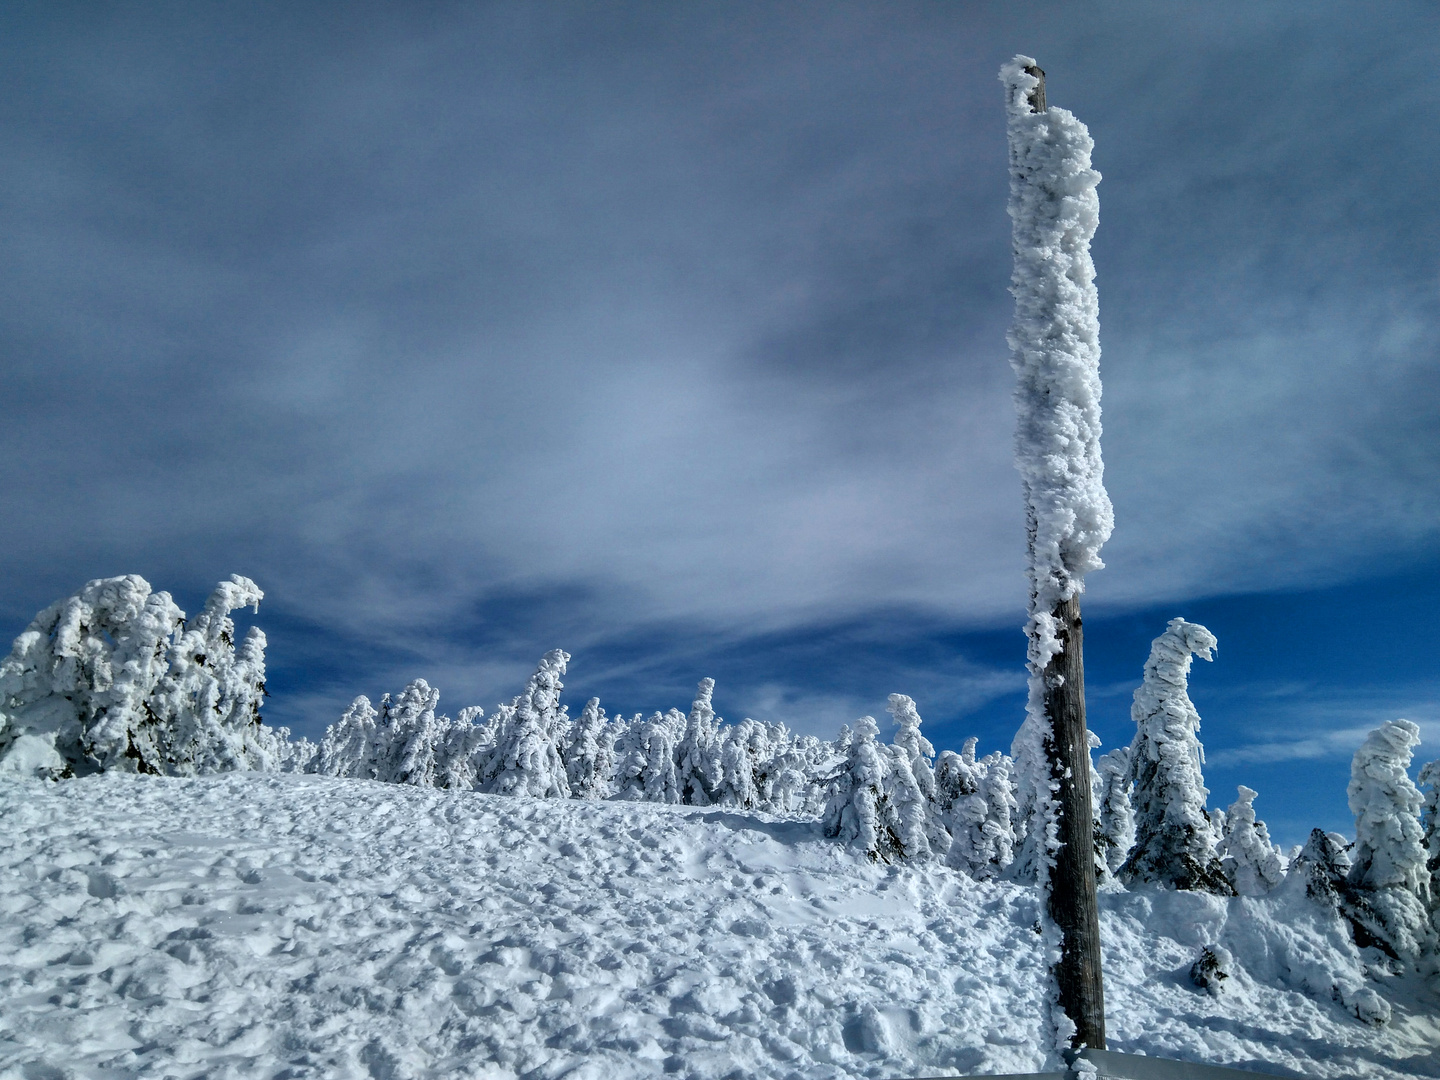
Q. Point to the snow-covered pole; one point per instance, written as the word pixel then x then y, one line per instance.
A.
pixel 1055 351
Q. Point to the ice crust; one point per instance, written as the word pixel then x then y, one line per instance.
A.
pixel 304 926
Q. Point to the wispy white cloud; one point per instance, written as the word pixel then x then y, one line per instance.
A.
pixel 1333 725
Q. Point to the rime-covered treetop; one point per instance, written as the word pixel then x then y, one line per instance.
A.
pixel 1055 340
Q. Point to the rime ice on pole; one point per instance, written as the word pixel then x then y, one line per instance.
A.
pixel 1055 351
pixel 1055 341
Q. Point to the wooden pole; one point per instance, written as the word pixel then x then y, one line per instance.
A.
pixel 1072 900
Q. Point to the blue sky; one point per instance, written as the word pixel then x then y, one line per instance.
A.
pixel 673 335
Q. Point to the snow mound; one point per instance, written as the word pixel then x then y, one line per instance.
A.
pixel 291 925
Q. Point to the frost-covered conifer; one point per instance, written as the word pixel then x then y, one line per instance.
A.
pixel 957 775
pixel 1174 839
pixel 404 742
pixel 210 698
pixel 1322 869
pixel 997 785
pixel 742 748
pixel 284 754
pixel 804 775
pixel 526 759
pixel 698 756
pixel 632 756
pixel 917 749
pixel 646 768
pixel 74 689
pixel 958 804
pixel 908 809
pixel 876 805
pixel 1116 815
pixel 854 813
pixel 590 755
pixel 1430 824
pixel 1253 865
pixel 406 734
pixel 1389 859
pixel 463 749
pixel 790 778
pixel 912 781
pixel 112 678
pixel 348 748
pixel 976 802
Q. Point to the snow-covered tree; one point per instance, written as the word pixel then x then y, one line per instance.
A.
pixel 1322 869
pixel 913 754
pixel 1174 839
pixel 801 770
pixel 1389 857
pixel 590 754
pixel 645 769
pixel 112 678
pixel 743 751
pixel 1321 872
pixel 791 778
pixel 282 753
pixel 854 814
pixel 1253 865
pixel 876 805
pixel 403 742
pixel 997 787
pixel 74 689
pixel 975 801
pixel 1114 813
pixel 210 698
pixel 406 733
pixel 697 757
pixel 349 745
pixel 917 749
pixel 526 759
pixel 463 749
pixel 1430 824
pixel 959 806
pixel 908 810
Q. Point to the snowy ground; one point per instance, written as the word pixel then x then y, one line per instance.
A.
pixel 293 926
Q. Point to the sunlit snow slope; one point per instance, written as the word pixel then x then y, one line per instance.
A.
pixel 295 926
